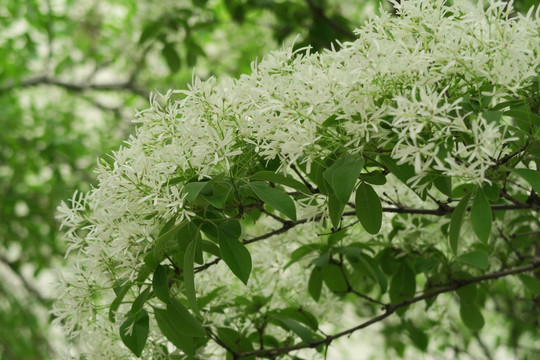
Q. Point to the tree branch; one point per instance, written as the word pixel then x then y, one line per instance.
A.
pixel 73 87
pixel 390 309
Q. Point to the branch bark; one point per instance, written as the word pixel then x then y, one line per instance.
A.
pixel 74 87
pixel 390 309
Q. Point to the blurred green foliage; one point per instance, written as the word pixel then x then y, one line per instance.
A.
pixel 73 73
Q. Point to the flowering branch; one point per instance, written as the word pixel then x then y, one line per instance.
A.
pixel 391 308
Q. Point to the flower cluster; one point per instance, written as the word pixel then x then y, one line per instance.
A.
pixel 406 88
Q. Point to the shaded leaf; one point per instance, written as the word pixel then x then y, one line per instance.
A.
pixel 183 321
pixel 171 57
pixel 135 340
pixel 368 208
pixel 342 176
pixel 333 278
pixel 531 176
pixel 471 316
pixel 168 329
pixel 160 284
pixel 281 179
pixel 531 283
pixel 481 217
pixel 315 283
pixel 189 275
pixel 335 210
pixel 477 258
pixel 233 252
pixel 276 198
pixel 457 219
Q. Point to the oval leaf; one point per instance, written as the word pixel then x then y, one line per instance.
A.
pixel 368 208
pixel 134 332
pixel 283 180
pixel 183 321
pixel 334 279
pixel 477 258
pixel 171 56
pixel 235 255
pixel 471 316
pixel 457 220
pixel 342 176
pixel 530 176
pixel 335 210
pixel 189 275
pixel 315 283
pixel 181 341
pixel 276 198
pixel 160 284
pixel 481 216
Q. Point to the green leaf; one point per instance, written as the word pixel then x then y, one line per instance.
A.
pixel 139 302
pixel 334 279
pixel 477 258
pixel 235 341
pixel 233 252
pixel 418 337
pixel 150 30
pixel 530 176
pixel 471 316
pixel 315 283
pixel 335 210
pixel 342 176
pixel 120 294
pixel 375 178
pixel 467 294
pixel 403 172
pixel 491 191
pixel 189 275
pixel 168 329
pixel 367 266
pixel 368 208
pixel 136 339
pixel 193 189
pixel 492 116
pixel 171 57
pixel 531 283
pixel 301 252
pixel 403 284
pixel 481 216
pixel 183 321
pixel 211 248
pixel 303 332
pixel 160 284
pixel 276 198
pixel 524 117
pixel 220 194
pixel 165 238
pixel 281 179
pixel 299 314
pixel 444 185
pixel 457 220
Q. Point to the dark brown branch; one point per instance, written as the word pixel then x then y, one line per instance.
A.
pixel 505 159
pixel 45 80
pixel 393 307
pixel 441 211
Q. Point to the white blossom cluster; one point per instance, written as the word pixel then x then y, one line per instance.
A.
pixel 398 88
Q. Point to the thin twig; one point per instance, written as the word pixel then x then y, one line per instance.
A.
pixel 392 308
pixel 45 80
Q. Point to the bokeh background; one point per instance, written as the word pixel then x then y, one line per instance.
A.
pixel 72 75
